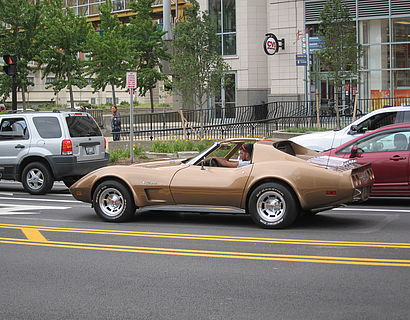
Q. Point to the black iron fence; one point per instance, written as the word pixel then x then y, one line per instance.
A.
pixel 256 120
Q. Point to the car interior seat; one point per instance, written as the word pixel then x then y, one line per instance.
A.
pixel 400 142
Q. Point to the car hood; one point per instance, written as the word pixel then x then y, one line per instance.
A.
pixel 319 141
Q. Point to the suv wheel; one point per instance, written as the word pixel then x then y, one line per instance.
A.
pixel 37 178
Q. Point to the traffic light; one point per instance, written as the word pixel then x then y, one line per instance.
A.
pixel 11 64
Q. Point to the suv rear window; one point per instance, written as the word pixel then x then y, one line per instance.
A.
pixel 47 127
pixel 82 126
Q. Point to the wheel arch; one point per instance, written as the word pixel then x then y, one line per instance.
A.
pixel 115 178
pixel 270 180
pixel 32 159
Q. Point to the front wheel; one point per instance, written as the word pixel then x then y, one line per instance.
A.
pixel 113 202
pixel 37 178
pixel 273 206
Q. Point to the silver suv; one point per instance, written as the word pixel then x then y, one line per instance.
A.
pixel 39 148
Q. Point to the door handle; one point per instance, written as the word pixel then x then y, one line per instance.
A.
pixel 397 158
pixel 19 146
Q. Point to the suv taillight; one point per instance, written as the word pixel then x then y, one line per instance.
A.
pixel 66 148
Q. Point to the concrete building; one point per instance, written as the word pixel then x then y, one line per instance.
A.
pixel 382 26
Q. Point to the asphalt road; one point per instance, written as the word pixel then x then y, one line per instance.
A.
pixel 60 261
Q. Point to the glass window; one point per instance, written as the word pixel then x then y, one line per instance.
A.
pixel 383 142
pixel 401 30
pixel 376 56
pixel 13 128
pixel 82 126
pixel 401 55
pixel 401 79
pixel 223 13
pixel 375 31
pixel 47 127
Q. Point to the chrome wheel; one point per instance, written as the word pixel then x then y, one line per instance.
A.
pixel 271 206
pixel 111 202
pixel 35 179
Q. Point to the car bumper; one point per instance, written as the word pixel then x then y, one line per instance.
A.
pixel 66 166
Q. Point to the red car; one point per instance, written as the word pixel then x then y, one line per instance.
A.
pixel 388 150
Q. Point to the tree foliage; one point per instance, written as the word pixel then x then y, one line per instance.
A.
pixel 19 34
pixel 64 38
pixel 197 65
pixel 150 48
pixel 340 53
pixel 110 51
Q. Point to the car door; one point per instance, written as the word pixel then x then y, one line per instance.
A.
pixel 14 144
pixel 390 162
pixel 196 185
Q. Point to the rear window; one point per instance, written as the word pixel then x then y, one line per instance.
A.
pixel 82 126
pixel 47 127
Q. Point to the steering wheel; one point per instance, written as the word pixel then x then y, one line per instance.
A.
pixel 213 162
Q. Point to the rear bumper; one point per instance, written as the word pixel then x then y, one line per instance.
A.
pixel 66 166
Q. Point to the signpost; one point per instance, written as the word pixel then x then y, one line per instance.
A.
pixel 131 85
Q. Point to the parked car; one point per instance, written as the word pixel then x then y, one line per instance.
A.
pixel 326 140
pixel 388 151
pixel 40 147
pixel 278 184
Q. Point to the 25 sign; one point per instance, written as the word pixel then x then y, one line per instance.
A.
pixel 271 44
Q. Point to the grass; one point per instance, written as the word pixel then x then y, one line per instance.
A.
pixel 161 147
pixel 304 130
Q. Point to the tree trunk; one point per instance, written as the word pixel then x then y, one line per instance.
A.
pixel 23 96
pixel 70 88
pixel 113 94
pixel 151 97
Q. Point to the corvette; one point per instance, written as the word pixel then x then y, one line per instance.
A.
pixel 283 181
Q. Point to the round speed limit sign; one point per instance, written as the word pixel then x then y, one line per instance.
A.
pixel 271 45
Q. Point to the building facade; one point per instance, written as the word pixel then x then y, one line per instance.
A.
pixel 382 28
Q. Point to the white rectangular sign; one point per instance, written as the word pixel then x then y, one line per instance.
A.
pixel 131 80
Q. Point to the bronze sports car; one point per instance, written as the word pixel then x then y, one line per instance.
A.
pixel 281 181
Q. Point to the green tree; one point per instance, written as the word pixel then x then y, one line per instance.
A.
pixel 19 34
pixel 150 48
pixel 340 53
pixel 64 39
pixel 197 66
pixel 111 54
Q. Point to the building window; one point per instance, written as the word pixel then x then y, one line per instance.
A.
pixel 223 12
pixel 50 80
pixel 224 103
pixel 109 100
pixel 92 101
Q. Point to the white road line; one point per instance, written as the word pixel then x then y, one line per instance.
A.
pixel 41 200
pixel 24 209
pixel 370 210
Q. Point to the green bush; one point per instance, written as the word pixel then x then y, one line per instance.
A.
pixel 180 145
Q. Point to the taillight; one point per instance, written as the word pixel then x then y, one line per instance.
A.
pixel 66 148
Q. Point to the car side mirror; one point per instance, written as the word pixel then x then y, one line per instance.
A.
pixel 355 152
pixel 354 129
pixel 202 163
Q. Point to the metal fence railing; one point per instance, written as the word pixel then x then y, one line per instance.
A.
pixel 255 120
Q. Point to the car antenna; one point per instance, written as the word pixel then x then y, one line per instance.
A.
pixel 331 147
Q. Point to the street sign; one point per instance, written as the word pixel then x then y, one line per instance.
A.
pixel 131 80
pixel 301 60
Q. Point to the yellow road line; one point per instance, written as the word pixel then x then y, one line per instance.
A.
pixel 215 254
pixel 33 235
pixel 212 237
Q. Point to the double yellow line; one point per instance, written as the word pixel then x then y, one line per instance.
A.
pixel 35 238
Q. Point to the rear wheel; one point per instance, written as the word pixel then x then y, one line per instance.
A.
pixel 37 178
pixel 113 202
pixel 273 205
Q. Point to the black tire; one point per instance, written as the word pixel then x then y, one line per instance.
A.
pixel 69 181
pixel 113 202
pixel 273 206
pixel 37 178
